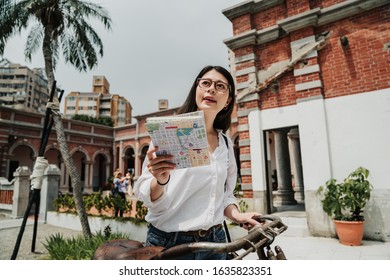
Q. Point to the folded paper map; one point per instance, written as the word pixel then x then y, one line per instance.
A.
pixel 183 136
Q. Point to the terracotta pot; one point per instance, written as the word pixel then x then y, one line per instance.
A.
pixel 349 232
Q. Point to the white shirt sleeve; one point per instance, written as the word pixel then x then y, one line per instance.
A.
pixel 142 189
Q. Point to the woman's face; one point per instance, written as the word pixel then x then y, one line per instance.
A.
pixel 211 95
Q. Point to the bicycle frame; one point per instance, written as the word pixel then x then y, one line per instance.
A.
pixel 258 240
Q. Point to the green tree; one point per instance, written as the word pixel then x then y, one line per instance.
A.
pixel 57 27
pixel 107 121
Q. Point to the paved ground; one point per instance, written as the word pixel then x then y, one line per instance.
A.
pixel 295 248
pixel 10 229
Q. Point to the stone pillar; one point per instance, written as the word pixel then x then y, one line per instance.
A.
pixel 137 164
pixel 297 164
pixel 49 191
pixel 121 157
pixel 108 173
pixel 67 180
pixel 63 187
pixel 21 191
pixel 285 193
pixel 88 182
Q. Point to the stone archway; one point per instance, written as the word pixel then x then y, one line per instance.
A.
pixel 20 154
pixel 144 149
pixel 53 156
pixel 129 159
pixel 99 172
pixel 81 162
pixel 100 167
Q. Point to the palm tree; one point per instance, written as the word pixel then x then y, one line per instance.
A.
pixel 57 25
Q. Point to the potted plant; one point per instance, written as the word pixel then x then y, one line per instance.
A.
pixel 344 202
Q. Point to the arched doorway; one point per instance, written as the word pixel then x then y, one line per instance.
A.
pixel 144 150
pixel 99 178
pixel 54 156
pixel 21 155
pixel 284 169
pixel 130 159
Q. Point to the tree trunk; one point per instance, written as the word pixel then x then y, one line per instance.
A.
pixel 76 184
pixel 77 193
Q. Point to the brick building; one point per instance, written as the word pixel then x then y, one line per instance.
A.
pixel 89 144
pixel 313 81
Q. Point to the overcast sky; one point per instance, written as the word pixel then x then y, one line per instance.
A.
pixel 154 50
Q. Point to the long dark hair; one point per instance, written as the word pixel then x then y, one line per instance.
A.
pixel 223 119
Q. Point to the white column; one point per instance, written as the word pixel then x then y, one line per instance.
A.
pixel 285 193
pixel 295 151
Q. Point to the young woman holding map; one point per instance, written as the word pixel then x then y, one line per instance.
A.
pixel 188 205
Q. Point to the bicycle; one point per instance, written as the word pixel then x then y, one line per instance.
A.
pixel 258 239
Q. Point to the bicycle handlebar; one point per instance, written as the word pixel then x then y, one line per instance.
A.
pixel 257 239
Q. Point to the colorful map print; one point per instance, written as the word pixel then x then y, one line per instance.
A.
pixel 183 136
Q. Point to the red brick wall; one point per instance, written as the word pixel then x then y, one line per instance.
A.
pixel 360 67
pixel 324 3
pixel 269 17
pixel 6 196
pixel 270 53
pixel 242 24
pixel 295 7
pixel 364 65
pixel 27 118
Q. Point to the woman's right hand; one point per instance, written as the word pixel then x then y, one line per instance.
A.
pixel 160 166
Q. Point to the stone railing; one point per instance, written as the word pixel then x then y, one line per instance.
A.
pixel 14 195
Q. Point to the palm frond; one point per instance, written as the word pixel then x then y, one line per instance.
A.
pixel 91 10
pixel 34 40
pixel 77 57
pixel 13 20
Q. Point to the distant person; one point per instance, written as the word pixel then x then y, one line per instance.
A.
pixel 190 205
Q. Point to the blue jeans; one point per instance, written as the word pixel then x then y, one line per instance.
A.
pixel 156 237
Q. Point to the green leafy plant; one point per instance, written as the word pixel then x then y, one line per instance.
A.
pixel 65 203
pixel 80 247
pixel 346 200
pixel 141 211
pixel 243 205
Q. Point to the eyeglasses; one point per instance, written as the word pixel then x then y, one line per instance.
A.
pixel 219 86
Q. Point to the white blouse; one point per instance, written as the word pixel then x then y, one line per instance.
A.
pixel 195 198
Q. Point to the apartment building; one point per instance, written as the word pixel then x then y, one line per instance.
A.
pixel 23 88
pixel 99 103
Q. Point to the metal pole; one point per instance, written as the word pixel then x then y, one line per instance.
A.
pixel 45 139
pixel 35 194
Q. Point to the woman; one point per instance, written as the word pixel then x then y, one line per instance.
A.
pixel 189 205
